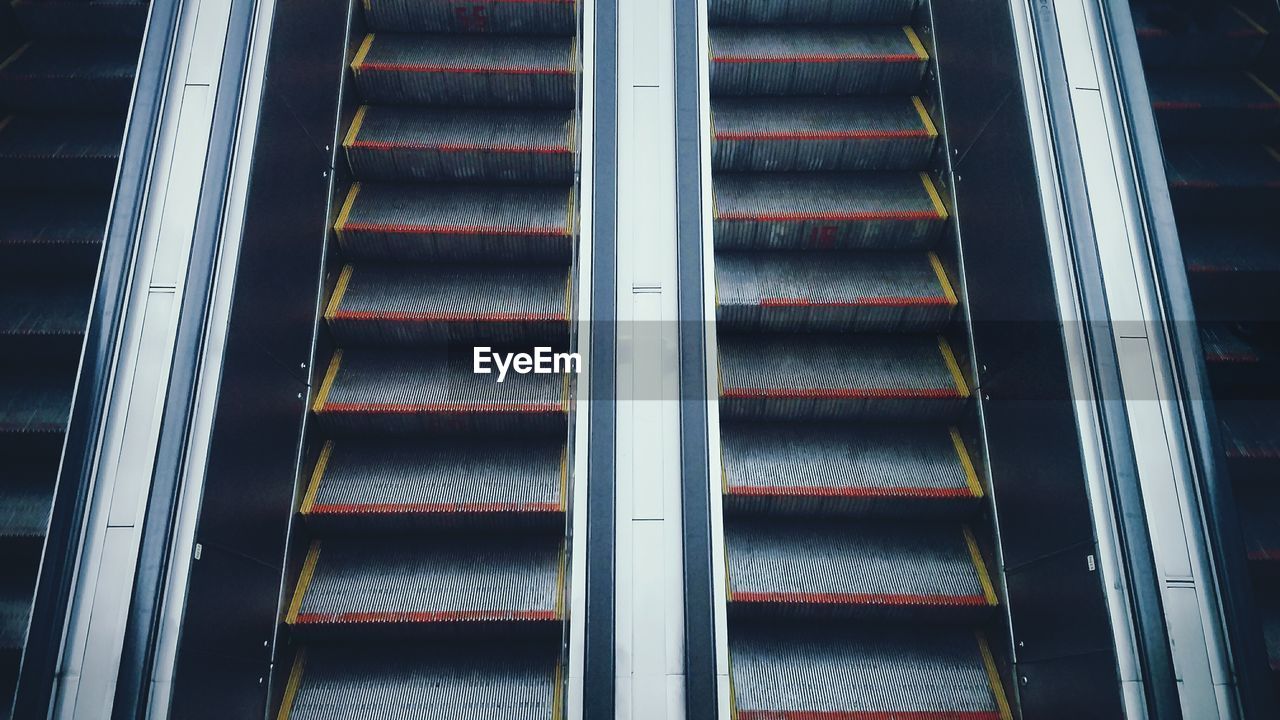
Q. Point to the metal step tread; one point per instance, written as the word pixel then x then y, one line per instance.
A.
pixel 864 290
pixel 1215 35
pixel 401 144
pixel 469 579
pixel 445 222
pixel 52 220
pixel 1223 345
pixel 26 494
pixel 833 465
pixel 891 564
pixel 540 17
pixel 95 19
pixel 1260 521
pixel 402 304
pixel 467 70
pixel 44 308
pixel 15 609
pixel 472 681
pixel 1222 166
pixel 839 366
pixel 61 137
pixel 815 60
pixel 864 672
pixel 827 12
pixel 1211 89
pixel 1215 248
pixel 812 134
pixel 508 478
pixel 56 60
pixel 35 400
pixel 1250 429
pixel 399 390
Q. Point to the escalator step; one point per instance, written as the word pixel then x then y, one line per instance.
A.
pixel 82 18
pixel 59 152
pixel 432 582
pixel 34 401
pixel 26 494
pixel 467 70
pixel 1260 522
pixel 864 673
pixel 398 485
pixel 403 144
pixel 459 682
pixel 835 291
pixel 915 470
pixel 1229 181
pixel 433 304
pixel 69 75
pixel 816 61
pixel 1224 346
pixel 51 233
pixel 500 224
pixel 814 12
pixel 895 211
pixel 1271 634
pixel 1230 38
pixel 526 17
pixel 43 310
pixel 832 566
pixel 15 608
pixel 432 390
pixel 1250 431
pixel 1233 269
pixel 820 134
pixel 1213 105
pixel 853 376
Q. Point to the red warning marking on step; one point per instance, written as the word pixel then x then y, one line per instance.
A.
pixel 820 134
pixel 425 616
pixel 461 147
pixel 886 599
pixel 460 508
pixel 818 58
pixel 869 301
pixel 854 215
pixel 868 714
pixel 849 492
pixel 409 229
pixel 394 316
pixel 411 409
pixel 462 70
pixel 839 393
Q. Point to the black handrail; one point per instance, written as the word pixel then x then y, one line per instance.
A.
pixel 1225 540
pixel 602 421
pixel 142 627
pixel 80 447
pixel 1155 656
pixel 699 597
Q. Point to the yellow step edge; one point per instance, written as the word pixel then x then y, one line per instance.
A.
pixel 932 189
pixel 354 131
pixel 16 54
pixel 339 290
pixel 1265 87
pixel 564 479
pixel 557 693
pixel 950 358
pixel 5 121
pixel 313 488
pixel 291 687
pixel 924 116
pixel 327 385
pixel 358 62
pixel 970 474
pixel 943 280
pixel 560 569
pixel 1275 154
pixel 915 42
pixel 993 677
pixel 345 214
pixel 984 578
pixel 304 582
pixel 1251 21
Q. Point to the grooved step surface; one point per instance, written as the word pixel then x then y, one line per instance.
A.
pixel 1227 104
pixel 1226 37
pixel 842 291
pixel 852 376
pixel 1250 430
pixel 467 70
pixel 381 481
pixel 34 400
pixel 822 12
pixel 69 75
pixel 398 305
pixel 15 609
pixel 1223 344
pixel 406 582
pixel 435 390
pixel 864 469
pixel 26 495
pixel 810 134
pixel 826 211
pixel 1260 521
pixel 412 683
pixel 815 61
pixel 1234 182
pixel 866 565
pixel 450 223
pixel 403 144
pixel 60 152
pixel 861 674
pixel 96 19
pixel 31 309
pixel 504 17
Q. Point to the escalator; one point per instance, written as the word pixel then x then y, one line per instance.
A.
pixel 1212 75
pixel 65 85
pixel 433 517
pixel 856 535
